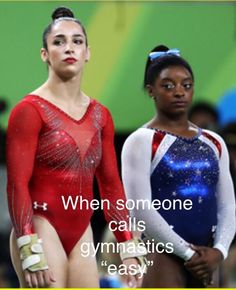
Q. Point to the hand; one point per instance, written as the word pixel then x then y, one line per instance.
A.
pixel 39 279
pixel 196 269
pixel 133 281
pixel 204 262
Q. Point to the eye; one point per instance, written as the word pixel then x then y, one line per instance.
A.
pixel 78 41
pixel 168 86
pixel 188 86
pixel 58 42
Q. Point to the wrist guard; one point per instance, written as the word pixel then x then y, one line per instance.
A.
pixel 134 248
pixel 31 253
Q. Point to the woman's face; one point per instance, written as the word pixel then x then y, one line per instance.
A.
pixel 172 90
pixel 67 51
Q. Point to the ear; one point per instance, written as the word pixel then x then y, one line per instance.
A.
pixel 44 55
pixel 87 58
pixel 150 91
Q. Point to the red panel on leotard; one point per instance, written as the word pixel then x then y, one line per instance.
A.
pixel 50 155
pixel 214 141
pixel 156 141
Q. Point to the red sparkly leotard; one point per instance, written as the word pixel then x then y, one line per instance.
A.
pixel 52 160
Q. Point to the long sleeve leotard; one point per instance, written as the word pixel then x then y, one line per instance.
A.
pixel 52 160
pixel 160 165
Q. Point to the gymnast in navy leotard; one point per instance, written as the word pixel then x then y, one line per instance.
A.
pixel 170 158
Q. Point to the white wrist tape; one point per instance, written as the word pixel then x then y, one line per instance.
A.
pixel 31 253
pixel 188 254
pixel 132 249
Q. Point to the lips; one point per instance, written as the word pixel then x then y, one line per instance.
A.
pixel 70 60
pixel 180 104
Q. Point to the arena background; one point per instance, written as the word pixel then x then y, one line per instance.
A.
pixel 120 35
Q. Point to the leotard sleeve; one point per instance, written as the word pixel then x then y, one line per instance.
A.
pixel 225 229
pixel 22 139
pixel 136 172
pixel 109 182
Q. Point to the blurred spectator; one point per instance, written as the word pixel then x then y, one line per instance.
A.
pixel 7 274
pixel 4 215
pixel 8 277
pixel 3 106
pixel 204 115
pixel 229 135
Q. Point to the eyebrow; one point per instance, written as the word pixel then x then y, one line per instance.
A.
pixel 171 80
pixel 63 35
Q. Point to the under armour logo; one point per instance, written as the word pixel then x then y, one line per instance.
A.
pixel 43 206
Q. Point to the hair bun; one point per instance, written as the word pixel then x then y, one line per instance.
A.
pixel 62 12
pixel 160 48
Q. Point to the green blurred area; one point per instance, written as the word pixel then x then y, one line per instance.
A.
pixel 120 35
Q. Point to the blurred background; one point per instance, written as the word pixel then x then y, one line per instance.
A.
pixel 120 35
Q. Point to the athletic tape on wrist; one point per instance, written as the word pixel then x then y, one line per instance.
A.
pixel 31 253
pixel 132 249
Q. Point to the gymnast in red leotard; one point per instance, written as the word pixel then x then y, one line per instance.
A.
pixel 58 140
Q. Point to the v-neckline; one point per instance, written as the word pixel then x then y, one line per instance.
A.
pixel 65 113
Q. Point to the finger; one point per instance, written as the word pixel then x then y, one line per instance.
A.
pixel 197 262
pixel 202 275
pixel 131 281
pixel 198 267
pixel 40 278
pixel 139 281
pixel 28 279
pixel 52 277
pixel 200 248
pixel 47 279
pixel 34 280
pixel 139 276
pixel 194 257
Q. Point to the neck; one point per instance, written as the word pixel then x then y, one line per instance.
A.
pixel 176 123
pixel 68 90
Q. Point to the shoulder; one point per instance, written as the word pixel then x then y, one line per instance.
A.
pixel 100 110
pixel 95 103
pixel 25 104
pixel 142 137
pixel 141 134
pixel 138 146
pixel 215 139
pixel 24 117
pixel 25 109
pixel 213 135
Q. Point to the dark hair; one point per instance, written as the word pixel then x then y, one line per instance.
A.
pixel 64 13
pixel 154 67
pixel 3 105
pixel 229 134
pixel 204 107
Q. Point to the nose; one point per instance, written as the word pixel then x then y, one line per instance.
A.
pixel 179 91
pixel 69 47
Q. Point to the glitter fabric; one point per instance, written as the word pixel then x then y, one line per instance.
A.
pixel 188 169
pixel 51 155
pixel 181 168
